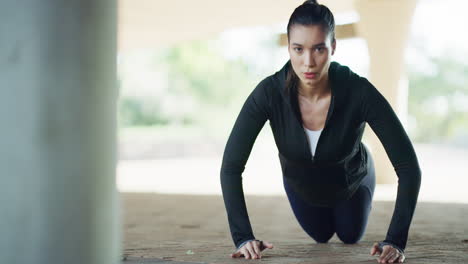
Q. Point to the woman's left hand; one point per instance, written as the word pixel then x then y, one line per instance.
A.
pixel 387 254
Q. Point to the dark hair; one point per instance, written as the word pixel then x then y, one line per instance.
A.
pixel 313 13
pixel 309 13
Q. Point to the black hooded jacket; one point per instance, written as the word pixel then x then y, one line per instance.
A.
pixel 340 161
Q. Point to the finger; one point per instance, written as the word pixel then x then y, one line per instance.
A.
pixel 267 244
pixel 236 254
pixel 251 250
pixel 385 251
pixel 374 249
pixel 398 260
pixel 402 258
pixel 245 252
pixel 383 255
pixel 381 258
pixel 394 258
pixel 390 255
pixel 256 247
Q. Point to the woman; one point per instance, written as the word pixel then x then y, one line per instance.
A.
pixel 317 110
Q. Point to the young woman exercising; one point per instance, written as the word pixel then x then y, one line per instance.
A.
pixel 317 110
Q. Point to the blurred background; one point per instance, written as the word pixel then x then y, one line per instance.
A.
pixel 182 82
pixel 184 70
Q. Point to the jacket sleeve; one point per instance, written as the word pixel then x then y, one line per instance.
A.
pixel 384 122
pixel 249 122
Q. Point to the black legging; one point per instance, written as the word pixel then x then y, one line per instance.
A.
pixel 348 219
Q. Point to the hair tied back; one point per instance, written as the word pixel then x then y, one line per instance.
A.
pixel 310 2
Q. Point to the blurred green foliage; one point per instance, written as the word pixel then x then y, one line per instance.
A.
pixel 215 87
pixel 199 70
pixel 197 75
pixel 438 102
pixel 133 112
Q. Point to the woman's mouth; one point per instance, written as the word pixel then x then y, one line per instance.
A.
pixel 310 75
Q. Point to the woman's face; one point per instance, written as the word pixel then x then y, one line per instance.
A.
pixel 310 50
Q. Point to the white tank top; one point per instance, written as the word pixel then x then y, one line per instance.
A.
pixel 313 136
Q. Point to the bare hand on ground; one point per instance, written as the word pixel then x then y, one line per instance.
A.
pixel 388 254
pixel 252 249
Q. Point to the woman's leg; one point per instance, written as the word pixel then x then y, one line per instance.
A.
pixel 317 222
pixel 350 217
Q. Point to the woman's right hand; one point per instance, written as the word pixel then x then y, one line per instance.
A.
pixel 252 249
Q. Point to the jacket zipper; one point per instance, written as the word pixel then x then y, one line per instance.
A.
pixel 329 113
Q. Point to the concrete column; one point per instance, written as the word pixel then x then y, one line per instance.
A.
pixel 385 25
pixel 58 202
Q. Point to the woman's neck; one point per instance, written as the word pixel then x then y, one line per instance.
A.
pixel 315 92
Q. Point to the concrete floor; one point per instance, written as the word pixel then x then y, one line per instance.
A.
pixel 163 228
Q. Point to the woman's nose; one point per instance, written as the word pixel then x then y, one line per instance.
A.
pixel 309 59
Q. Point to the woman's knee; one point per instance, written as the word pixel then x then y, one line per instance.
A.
pixel 322 237
pixel 349 238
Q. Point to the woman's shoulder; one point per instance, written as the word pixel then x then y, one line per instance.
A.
pixel 344 75
pixel 347 83
pixel 271 85
pixel 356 86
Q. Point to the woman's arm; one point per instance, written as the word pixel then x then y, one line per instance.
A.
pixel 250 121
pixel 384 122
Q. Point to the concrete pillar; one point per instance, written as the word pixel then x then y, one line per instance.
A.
pixel 385 25
pixel 58 202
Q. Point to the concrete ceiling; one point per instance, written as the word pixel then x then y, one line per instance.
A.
pixel 152 23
